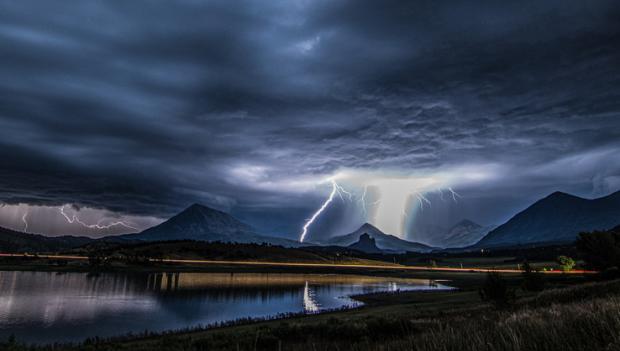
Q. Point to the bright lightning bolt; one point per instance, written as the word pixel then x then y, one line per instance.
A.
pixel 98 225
pixel 319 211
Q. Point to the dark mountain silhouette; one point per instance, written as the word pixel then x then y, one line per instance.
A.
pixel 14 241
pixel 203 223
pixel 557 218
pixel 365 244
pixel 463 233
pixel 383 241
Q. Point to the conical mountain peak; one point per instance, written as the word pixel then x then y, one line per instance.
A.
pixel 368 226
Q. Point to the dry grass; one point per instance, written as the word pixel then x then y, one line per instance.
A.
pixel 588 325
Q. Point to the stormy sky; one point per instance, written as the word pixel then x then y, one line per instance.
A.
pixel 132 110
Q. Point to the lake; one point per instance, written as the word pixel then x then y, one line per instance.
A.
pixel 44 307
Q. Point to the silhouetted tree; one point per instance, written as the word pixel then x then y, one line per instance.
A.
pixel 532 280
pixel 496 290
pixel 600 249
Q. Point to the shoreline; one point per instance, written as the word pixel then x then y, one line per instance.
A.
pixel 464 296
pixel 353 302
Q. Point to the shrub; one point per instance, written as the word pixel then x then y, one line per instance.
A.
pixel 495 289
pixel 566 263
pixel 532 280
pixel 601 249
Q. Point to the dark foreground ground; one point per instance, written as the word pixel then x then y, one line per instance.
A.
pixel 572 313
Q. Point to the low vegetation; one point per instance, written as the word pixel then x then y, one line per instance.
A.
pixel 187 249
pixel 600 249
pixel 540 257
pixel 566 263
pixel 497 291
pixel 532 280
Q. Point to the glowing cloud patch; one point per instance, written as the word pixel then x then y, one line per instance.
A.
pixel 394 191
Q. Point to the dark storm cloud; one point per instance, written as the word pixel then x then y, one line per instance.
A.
pixel 142 107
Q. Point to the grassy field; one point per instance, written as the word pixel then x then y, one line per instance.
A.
pixel 506 262
pixel 36 263
pixel 498 262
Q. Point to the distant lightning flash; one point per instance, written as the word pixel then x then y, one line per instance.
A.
pixel 363 198
pixel 341 190
pixel 421 199
pixel 98 225
pixel 454 194
pixel 25 222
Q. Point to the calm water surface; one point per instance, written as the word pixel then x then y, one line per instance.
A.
pixel 42 307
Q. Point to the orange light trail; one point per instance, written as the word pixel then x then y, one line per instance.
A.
pixel 313 265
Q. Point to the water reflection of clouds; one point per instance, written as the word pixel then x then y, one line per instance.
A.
pixel 43 306
pixel 66 297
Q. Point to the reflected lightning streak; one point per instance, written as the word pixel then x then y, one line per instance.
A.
pixel 310 305
pixel 75 219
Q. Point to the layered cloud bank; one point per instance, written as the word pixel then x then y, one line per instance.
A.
pixel 137 109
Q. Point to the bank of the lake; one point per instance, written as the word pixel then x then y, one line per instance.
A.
pixel 383 309
pixel 448 320
pixel 48 307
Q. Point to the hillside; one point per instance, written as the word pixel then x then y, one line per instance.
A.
pixel 14 241
pixel 366 244
pixel 199 222
pixel 463 233
pixel 188 249
pixel 383 241
pixel 557 218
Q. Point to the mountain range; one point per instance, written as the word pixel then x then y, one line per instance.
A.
pixel 366 244
pixel 555 219
pixel 462 234
pixel 14 241
pixel 383 241
pixel 11 241
pixel 198 222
